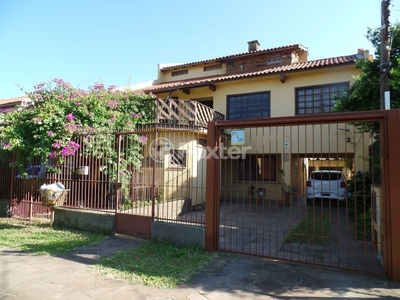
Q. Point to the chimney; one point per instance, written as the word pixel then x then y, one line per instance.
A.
pixel 253 45
pixel 364 53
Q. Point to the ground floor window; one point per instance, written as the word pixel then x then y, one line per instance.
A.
pixel 178 158
pixel 257 167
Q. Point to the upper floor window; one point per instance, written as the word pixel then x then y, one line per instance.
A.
pixel 246 106
pixel 274 61
pixel 179 73
pixel 212 68
pixel 318 99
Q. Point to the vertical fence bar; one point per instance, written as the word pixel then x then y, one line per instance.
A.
pixel 13 175
pixel 212 184
pixel 117 188
pixel 154 175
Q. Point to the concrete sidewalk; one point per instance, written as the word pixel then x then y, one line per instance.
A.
pixel 27 276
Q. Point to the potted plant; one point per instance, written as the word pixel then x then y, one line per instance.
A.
pixel 260 192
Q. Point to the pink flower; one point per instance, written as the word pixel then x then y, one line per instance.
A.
pixel 135 115
pixel 8 146
pixel 143 139
pixel 112 104
pixel 4 110
pixel 74 145
pixel 70 117
pixel 65 152
pixel 50 133
pixel 53 154
pixel 56 145
pixel 70 149
pixel 70 126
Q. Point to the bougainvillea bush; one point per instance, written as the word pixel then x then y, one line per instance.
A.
pixel 58 112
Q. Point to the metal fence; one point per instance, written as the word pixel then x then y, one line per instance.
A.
pixel 165 182
pixel 172 173
pixel 263 200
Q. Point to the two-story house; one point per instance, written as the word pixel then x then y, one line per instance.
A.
pixel 258 83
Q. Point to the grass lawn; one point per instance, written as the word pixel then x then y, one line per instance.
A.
pixel 157 264
pixel 313 229
pixel 40 238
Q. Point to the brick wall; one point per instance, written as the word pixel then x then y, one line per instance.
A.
pixel 255 63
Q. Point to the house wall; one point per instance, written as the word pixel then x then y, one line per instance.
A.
pixel 178 183
pixel 307 141
pixel 282 94
pixel 245 63
pixel 195 71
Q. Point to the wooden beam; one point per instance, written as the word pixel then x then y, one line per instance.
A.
pixel 186 91
pixel 212 87
pixel 282 77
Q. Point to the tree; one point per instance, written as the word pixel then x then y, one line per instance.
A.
pixel 58 112
pixel 364 93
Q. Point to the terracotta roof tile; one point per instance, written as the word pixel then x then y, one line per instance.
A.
pixel 341 60
pixel 13 100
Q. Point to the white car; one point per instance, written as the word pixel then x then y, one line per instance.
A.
pixel 326 184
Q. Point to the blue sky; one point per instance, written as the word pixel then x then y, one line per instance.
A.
pixel 122 41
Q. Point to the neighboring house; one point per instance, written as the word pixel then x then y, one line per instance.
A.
pixel 258 83
pixel 7 105
pixel 13 103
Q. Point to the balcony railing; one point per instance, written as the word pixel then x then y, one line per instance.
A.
pixel 185 112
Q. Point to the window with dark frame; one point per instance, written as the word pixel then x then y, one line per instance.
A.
pixel 257 167
pixel 178 158
pixel 318 99
pixel 276 60
pixel 212 68
pixel 179 73
pixel 247 106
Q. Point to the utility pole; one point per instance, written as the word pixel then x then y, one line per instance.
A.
pixel 385 54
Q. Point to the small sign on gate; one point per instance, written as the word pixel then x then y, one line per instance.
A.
pixel 237 136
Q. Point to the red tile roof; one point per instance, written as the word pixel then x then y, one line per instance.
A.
pixel 291 47
pixel 12 100
pixel 320 63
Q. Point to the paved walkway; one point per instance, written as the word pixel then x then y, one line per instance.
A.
pixel 27 276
